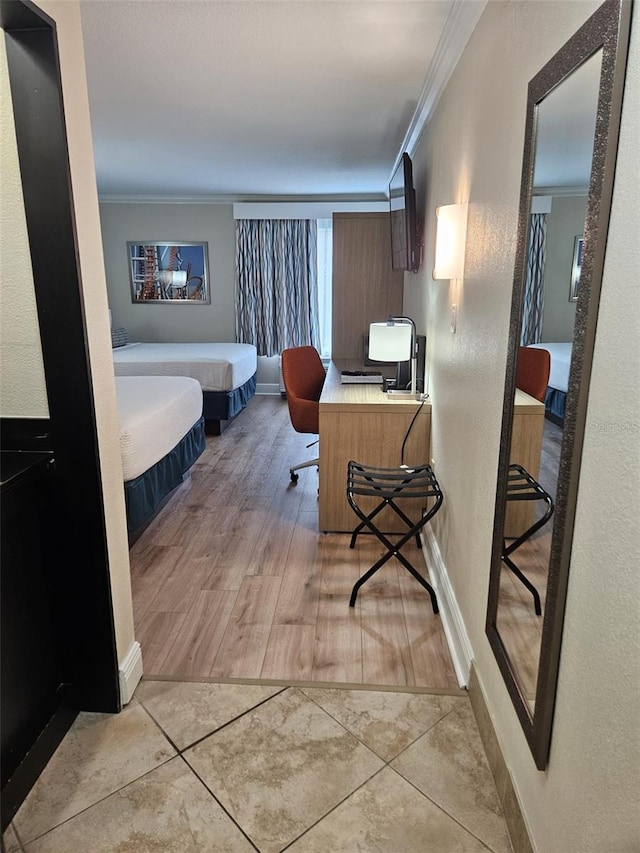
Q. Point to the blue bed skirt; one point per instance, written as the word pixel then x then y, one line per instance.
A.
pixel 554 402
pixel 224 405
pixel 145 495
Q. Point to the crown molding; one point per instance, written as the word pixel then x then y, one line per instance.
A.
pixel 132 198
pixel 370 198
pixel 460 23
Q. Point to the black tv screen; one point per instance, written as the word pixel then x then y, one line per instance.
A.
pixel 402 206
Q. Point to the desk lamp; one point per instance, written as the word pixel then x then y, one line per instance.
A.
pixel 395 340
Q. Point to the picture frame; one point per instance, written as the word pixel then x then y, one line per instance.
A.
pixel 168 272
pixel 576 268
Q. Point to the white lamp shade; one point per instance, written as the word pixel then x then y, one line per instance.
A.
pixel 389 343
pixel 451 238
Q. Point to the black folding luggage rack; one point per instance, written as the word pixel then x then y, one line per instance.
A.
pixel 390 485
pixel 521 486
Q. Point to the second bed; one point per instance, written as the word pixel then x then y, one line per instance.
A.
pixel 558 384
pixel 161 436
pixel 226 372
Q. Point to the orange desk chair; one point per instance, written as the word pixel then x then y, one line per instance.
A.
pixel 303 376
pixel 532 371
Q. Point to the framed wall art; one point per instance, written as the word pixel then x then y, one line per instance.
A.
pixel 169 272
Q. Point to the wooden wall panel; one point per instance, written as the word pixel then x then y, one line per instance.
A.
pixel 365 288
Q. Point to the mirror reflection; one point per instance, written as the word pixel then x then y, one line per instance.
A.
pixel 565 132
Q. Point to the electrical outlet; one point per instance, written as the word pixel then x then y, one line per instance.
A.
pixel 454 319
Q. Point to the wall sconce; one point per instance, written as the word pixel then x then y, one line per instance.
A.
pixel 396 341
pixel 451 239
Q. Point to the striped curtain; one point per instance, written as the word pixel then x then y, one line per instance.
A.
pixel 276 280
pixel 533 307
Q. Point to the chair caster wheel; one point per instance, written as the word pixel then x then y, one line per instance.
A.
pixel 294 477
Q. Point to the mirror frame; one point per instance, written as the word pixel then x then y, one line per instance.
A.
pixel 607 29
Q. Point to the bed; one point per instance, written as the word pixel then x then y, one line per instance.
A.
pixel 161 436
pixel 560 353
pixel 226 372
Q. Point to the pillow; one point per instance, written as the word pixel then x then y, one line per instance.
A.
pixel 119 337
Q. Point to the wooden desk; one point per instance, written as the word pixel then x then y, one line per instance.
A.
pixel 362 423
pixel 526 446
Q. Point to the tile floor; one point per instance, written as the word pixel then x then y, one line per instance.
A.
pixel 208 767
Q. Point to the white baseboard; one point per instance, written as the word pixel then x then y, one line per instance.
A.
pixel 130 672
pixel 452 621
pixel 266 388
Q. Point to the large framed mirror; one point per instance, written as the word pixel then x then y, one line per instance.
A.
pixel 571 136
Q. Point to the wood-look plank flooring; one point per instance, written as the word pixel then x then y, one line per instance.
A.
pixel 232 579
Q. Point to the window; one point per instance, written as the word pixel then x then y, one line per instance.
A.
pixel 325 253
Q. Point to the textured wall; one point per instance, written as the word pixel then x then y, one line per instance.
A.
pixel 472 151
pixel 208 223
pixel 564 223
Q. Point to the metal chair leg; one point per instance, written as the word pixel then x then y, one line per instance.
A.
pixel 310 464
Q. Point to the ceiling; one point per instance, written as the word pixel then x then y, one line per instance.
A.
pixel 263 98
pixel 566 126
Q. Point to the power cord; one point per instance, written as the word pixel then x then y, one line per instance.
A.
pixel 423 400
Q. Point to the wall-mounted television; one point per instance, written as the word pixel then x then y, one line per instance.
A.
pixel 402 206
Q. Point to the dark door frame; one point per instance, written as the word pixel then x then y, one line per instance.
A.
pixel 79 553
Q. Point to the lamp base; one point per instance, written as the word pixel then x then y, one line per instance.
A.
pixel 399 392
pixel 391 388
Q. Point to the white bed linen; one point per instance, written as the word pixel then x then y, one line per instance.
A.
pixel 155 412
pixel 217 367
pixel 560 361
